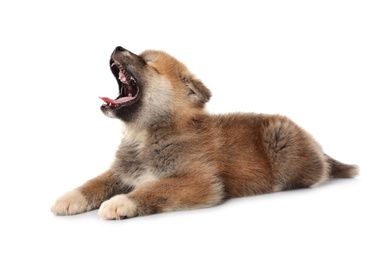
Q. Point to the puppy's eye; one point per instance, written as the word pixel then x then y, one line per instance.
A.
pixel 156 70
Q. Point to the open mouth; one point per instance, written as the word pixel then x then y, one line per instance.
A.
pixel 128 87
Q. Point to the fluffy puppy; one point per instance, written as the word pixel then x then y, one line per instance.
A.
pixel 176 156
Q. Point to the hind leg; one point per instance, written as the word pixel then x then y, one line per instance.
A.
pixel 298 160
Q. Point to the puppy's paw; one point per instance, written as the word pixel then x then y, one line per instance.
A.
pixel 72 202
pixel 118 207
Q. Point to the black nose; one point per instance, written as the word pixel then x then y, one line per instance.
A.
pixel 118 49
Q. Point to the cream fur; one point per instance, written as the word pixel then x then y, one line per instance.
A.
pixel 118 207
pixel 72 202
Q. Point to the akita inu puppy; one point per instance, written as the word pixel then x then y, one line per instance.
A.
pixel 176 156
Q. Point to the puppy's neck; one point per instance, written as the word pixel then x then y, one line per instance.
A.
pixel 172 124
pixel 134 134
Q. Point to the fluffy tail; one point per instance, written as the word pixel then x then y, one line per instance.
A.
pixel 341 170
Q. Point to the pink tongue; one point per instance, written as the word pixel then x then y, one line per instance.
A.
pixel 118 101
pixel 108 100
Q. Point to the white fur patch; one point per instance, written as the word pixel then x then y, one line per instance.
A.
pixel 72 202
pixel 118 207
pixel 145 177
pixel 135 136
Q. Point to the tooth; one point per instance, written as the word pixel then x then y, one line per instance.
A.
pixel 122 77
pixel 109 104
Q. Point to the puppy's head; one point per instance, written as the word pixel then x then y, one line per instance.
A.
pixel 152 87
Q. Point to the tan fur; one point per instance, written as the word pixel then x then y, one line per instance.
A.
pixel 72 202
pixel 175 156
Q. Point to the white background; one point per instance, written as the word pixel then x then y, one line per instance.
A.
pixel 325 64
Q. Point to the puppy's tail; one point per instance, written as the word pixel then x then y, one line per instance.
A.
pixel 341 170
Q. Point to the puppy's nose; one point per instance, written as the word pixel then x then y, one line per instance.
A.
pixel 119 48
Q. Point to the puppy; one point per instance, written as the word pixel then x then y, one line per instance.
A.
pixel 176 156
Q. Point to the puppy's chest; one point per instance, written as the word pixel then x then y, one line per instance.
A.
pixel 145 158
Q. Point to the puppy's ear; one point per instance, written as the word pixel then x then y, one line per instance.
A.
pixel 198 92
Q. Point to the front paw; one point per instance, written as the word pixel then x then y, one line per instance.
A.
pixel 118 207
pixel 72 202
